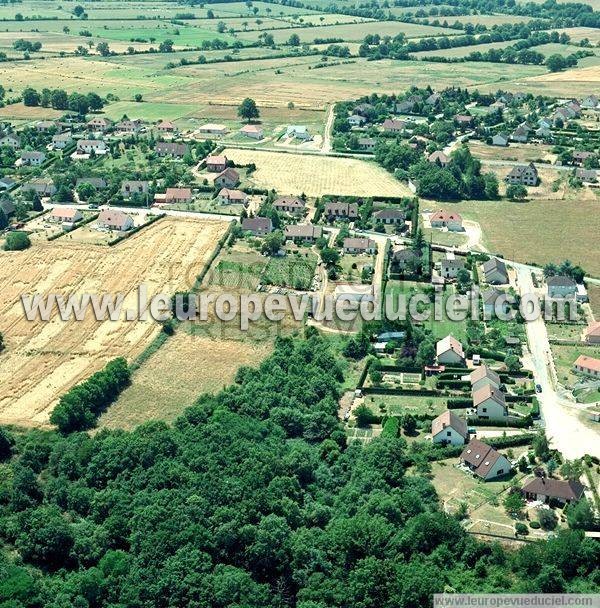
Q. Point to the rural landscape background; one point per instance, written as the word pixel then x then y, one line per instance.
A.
pixel 293 147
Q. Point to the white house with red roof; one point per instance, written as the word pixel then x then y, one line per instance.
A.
pixel 446 219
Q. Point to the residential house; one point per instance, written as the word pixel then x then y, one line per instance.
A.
pixel 87 146
pixel 404 259
pixel 356 120
pixel 490 403
pixel 129 126
pixel 449 429
pixel 216 164
pixel 61 140
pixel 6 183
pixel 229 178
pixel 439 157
pixel 592 333
pixel 589 176
pixel 360 245
pixel 166 126
pixel 493 300
pixel 587 365
pixel 7 207
pixel 484 461
pixel 389 216
pixel 258 226
pixel 521 133
pixel 546 489
pixel 483 376
pixel 99 123
pixel 341 210
pixel 112 219
pixel 580 156
pixel 545 123
pixel 560 286
pixel 590 102
pixel 33 158
pixel 43 186
pixel 463 120
pixel 213 129
pixel 494 272
pixel 527 175
pixel 446 219
pixel 232 197
pixel 543 132
pixel 433 99
pixel 43 126
pixel 132 186
pixel 10 141
pixel 306 233
pixel 167 148
pixel 500 139
pixel 391 125
pixel 367 143
pixel 178 195
pixel 449 351
pixel 99 183
pixel 574 106
pixel 252 131
pixel 65 215
pixel 561 117
pixel 364 109
pixel 405 107
pixel 298 132
pixel 582 294
pixel 450 266
pixel 289 204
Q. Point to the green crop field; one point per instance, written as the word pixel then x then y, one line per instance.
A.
pixel 291 271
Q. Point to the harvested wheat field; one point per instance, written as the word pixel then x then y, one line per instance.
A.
pixel 44 359
pixel 185 367
pixel 318 175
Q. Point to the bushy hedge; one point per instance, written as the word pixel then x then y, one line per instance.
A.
pixel 391 427
pixel 459 402
pixel 78 409
pixel 519 423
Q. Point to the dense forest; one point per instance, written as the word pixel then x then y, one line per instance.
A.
pixel 250 499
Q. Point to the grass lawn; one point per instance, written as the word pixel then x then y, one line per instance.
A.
pixel 294 271
pixel 564 357
pixel 587 395
pixel 239 267
pixel 401 404
pixel 594 296
pixel 565 331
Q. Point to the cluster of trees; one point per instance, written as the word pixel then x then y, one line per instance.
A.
pixel 61 100
pixel 252 498
pixel 16 241
pixel 566 268
pixel 78 409
pixel 27 46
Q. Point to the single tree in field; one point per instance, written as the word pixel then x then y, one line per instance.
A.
pixel 248 109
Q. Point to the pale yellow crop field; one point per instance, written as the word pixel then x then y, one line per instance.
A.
pixel 317 175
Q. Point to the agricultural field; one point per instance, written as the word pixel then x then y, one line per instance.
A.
pixel 184 368
pixel 513 229
pixel 238 267
pixel 463 51
pixel 295 271
pixel 514 152
pixel 43 360
pixel 316 175
pixel 594 296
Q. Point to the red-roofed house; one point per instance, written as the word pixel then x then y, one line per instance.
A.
pixel 450 351
pixel 592 333
pixel 587 365
pixel 446 219
pixel 216 164
pixel 484 460
pixel 449 429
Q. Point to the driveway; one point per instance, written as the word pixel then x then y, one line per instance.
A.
pixel 565 431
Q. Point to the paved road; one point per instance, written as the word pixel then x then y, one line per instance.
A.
pixel 565 431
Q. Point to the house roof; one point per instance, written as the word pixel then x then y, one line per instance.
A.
pixel 449 343
pixel 389 214
pixel 32 154
pixel 438 155
pixel 463 118
pixel 90 142
pixel 257 223
pixel 7 206
pixel 235 194
pixel 488 392
pixel 230 173
pixel 520 170
pixel 359 243
pixel 593 330
pixel 479 373
pixel 403 255
pixel 494 265
pixel 445 216
pixel 65 212
pixel 113 217
pixel 172 147
pixel 481 456
pixel 178 193
pixel 166 124
pixel 366 141
pixel 392 123
pixel 346 208
pixel 303 231
pixel 588 363
pixel 560 280
pixel 449 419
pixel 251 129
pixel 289 201
pixel 489 296
pixel 216 160
pixel 97 182
pixel 555 488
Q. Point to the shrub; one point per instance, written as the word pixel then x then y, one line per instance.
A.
pixel 521 529
pixel 16 241
pixel 548 519
pixel 535 525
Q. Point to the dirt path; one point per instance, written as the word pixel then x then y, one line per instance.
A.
pixel 326 147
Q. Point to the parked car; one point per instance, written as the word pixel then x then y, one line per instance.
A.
pixel 538 388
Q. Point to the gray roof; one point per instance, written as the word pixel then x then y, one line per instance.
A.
pixel 493 265
pixel 561 281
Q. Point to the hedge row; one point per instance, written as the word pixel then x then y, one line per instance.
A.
pixel 391 427
pixel 459 403
pixel 454 384
pixel 519 423
pixel 78 409
pixel 380 390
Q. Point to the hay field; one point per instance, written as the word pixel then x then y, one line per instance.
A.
pixel 317 175
pixel 540 230
pixel 42 360
pixel 185 367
